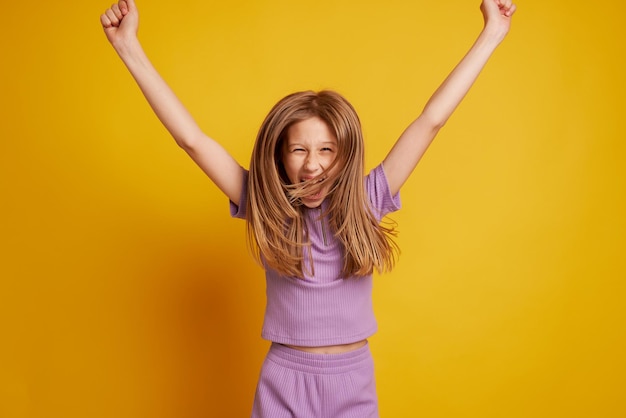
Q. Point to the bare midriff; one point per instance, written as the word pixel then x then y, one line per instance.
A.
pixel 330 349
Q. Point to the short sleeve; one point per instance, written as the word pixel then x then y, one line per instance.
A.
pixel 239 212
pixel 377 188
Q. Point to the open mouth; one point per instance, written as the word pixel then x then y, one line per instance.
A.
pixel 313 182
pixel 318 181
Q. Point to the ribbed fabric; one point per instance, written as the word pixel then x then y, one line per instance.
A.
pixel 321 308
pixel 304 385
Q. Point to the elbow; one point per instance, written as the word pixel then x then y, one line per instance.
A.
pixel 186 145
pixel 189 143
pixel 432 122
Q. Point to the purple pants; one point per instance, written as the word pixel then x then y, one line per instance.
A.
pixel 296 384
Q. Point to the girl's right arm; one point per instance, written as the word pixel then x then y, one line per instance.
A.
pixel 120 23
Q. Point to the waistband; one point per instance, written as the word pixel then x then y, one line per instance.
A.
pixel 320 363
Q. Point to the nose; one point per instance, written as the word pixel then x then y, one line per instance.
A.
pixel 312 163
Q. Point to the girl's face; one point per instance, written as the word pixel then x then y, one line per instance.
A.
pixel 309 149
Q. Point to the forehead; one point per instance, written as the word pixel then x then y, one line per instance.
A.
pixel 311 130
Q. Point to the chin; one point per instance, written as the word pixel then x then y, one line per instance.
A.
pixel 314 202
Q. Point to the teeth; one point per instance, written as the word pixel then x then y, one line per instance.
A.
pixel 316 182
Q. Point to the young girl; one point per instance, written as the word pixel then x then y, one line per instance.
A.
pixel 313 219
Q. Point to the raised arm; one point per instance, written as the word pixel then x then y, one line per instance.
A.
pixel 414 141
pixel 120 23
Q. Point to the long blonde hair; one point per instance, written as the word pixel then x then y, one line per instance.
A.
pixel 274 212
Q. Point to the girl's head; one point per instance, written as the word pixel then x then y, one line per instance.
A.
pixel 308 156
pixel 308 145
pixel 310 149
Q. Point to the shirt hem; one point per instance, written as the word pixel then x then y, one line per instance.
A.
pixel 317 342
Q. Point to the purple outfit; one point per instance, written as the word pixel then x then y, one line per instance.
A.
pixel 321 309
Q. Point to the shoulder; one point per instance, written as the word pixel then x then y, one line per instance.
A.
pixel 238 209
pixel 379 192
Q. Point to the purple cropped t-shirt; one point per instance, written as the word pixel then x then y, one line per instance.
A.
pixel 322 309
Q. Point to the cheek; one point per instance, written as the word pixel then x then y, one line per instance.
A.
pixel 339 167
pixel 330 159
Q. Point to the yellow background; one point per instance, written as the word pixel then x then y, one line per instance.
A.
pixel 127 291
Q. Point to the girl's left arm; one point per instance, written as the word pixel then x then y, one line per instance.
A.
pixel 414 141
